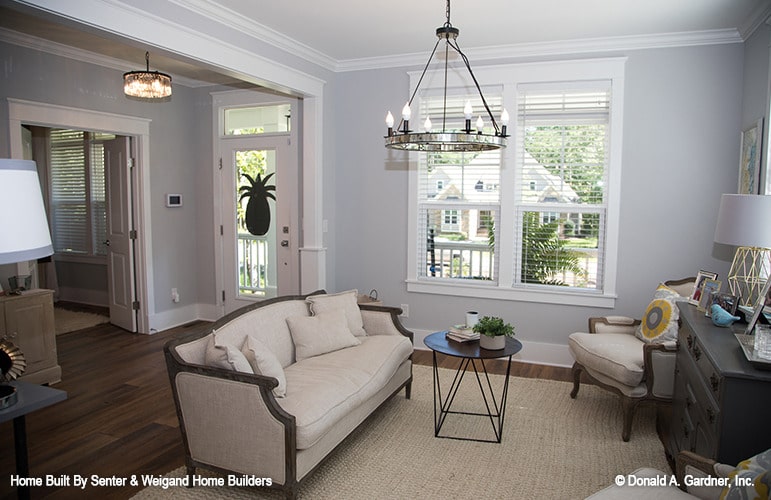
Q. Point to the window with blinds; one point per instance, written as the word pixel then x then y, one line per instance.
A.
pixel 77 192
pixel 458 198
pixel 562 138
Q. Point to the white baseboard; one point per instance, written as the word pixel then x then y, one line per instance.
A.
pixel 173 318
pixel 532 352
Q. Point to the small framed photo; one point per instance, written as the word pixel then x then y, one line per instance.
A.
pixel 761 308
pixel 725 300
pixel 749 162
pixel 707 289
pixel 698 284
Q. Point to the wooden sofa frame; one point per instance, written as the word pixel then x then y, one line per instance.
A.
pixel 176 365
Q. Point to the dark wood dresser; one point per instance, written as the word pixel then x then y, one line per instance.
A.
pixel 721 406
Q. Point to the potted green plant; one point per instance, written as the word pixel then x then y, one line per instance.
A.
pixel 493 332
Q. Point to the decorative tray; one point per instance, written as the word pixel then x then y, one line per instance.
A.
pixel 748 347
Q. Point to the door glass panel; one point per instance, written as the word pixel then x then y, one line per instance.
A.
pixel 257 120
pixel 256 222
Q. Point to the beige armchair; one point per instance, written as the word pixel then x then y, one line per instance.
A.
pixel 613 358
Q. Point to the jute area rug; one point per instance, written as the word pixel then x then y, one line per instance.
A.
pixel 69 321
pixel 552 447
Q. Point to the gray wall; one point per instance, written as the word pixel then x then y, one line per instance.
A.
pixel 180 149
pixel 682 117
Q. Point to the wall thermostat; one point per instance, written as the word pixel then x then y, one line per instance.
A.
pixel 173 200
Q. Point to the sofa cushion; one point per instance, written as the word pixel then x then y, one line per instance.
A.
pixel 757 472
pixel 226 356
pixel 659 323
pixel 323 389
pixel 347 301
pixel 616 355
pixel 264 362
pixel 315 335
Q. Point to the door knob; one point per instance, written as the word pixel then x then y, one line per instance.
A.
pixel 107 243
pixel 285 243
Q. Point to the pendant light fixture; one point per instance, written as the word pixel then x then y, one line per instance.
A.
pixel 147 84
pixel 466 139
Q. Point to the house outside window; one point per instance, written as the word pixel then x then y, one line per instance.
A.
pixel 538 220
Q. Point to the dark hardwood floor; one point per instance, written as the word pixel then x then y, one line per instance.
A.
pixel 119 418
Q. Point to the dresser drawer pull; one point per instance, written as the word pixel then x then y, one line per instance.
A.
pixel 688 402
pixel 711 415
pixel 689 341
pixel 714 380
pixel 696 352
pixel 685 431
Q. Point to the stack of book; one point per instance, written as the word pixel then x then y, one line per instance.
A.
pixel 462 333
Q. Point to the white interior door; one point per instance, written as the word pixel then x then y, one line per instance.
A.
pixel 120 249
pixel 259 198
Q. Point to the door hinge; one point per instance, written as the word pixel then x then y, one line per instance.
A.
pixel 223 295
pixel 135 305
pixel 220 163
pixel 222 230
pixel 133 234
pixel 130 162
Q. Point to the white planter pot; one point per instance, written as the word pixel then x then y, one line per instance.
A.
pixel 492 343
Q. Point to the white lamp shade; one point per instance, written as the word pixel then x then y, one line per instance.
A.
pixel 24 231
pixel 744 220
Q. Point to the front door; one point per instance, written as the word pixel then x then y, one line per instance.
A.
pixel 120 244
pixel 259 186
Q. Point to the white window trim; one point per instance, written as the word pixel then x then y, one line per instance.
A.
pixel 510 76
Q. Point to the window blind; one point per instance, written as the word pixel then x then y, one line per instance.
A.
pixel 560 186
pixel 77 191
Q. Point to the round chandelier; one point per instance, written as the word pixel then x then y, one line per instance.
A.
pixel 147 84
pixel 444 140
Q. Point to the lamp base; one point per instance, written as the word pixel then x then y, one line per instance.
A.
pixel 750 270
pixel 8 396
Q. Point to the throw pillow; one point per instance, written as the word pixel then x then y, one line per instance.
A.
pixel 315 335
pixel 659 323
pixel 264 362
pixel 343 300
pixel 225 356
pixel 756 472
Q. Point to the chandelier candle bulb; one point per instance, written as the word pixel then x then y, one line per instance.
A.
pixel 468 112
pixel 480 125
pixel 390 124
pixel 427 124
pixel 504 122
pixel 406 115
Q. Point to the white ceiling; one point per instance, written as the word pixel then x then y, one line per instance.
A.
pixel 355 33
pixel 350 29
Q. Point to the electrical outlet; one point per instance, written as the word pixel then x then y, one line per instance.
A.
pixel 405 310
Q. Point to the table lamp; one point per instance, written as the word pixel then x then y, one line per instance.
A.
pixel 24 236
pixel 744 221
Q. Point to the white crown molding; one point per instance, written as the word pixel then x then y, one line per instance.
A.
pixel 58 49
pixel 761 16
pixel 231 19
pixel 558 48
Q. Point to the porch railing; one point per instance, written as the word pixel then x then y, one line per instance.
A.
pixel 253 264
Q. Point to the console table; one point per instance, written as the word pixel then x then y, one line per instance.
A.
pixel 470 354
pixel 721 403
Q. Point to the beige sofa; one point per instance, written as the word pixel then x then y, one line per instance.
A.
pixel 270 390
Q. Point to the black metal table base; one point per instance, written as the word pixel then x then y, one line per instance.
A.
pixel 495 408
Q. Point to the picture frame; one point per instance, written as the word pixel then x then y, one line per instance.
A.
pixel 700 278
pixel 764 302
pixel 749 161
pixel 725 300
pixel 709 287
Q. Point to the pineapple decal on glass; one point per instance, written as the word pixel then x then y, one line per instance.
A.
pixel 257 209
